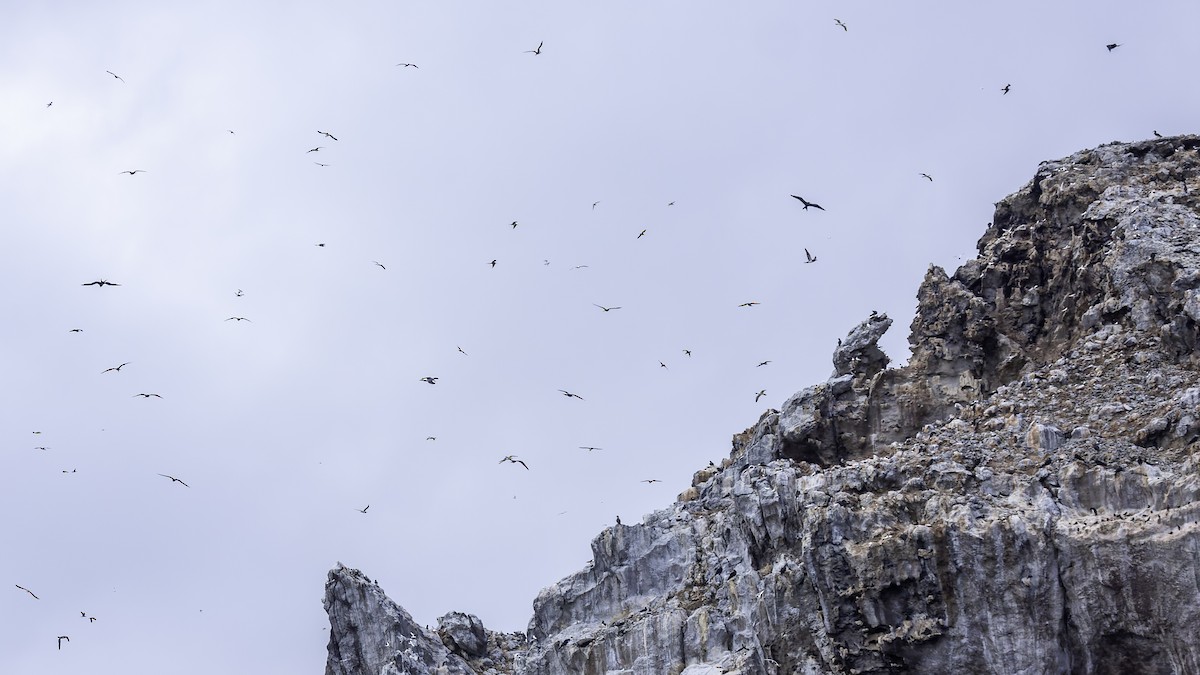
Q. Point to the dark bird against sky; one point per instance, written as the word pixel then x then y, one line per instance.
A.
pixel 535 51
pixel 27 591
pixel 430 380
pixel 839 22
pixel 761 393
pixel 101 283
pixel 808 257
pixel 1006 88
pixel 928 176
pixel 513 460
pixel 174 480
pixel 808 203
pixel 147 395
pixel 1111 46
pixel 749 304
pixel 326 134
pixel 133 171
pixel 116 368
pixel 607 309
pixel 115 75
pixel 570 395
pixel 409 65
pixel 61 638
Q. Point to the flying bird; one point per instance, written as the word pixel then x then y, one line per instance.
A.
pixel 570 395
pixel 326 134
pixel 239 293
pixel 651 480
pixel 535 51
pixel 809 258
pixel 363 509
pixel 322 245
pixel 514 224
pixel 513 460
pixel 460 350
pixel 641 234
pixel 50 104
pixel 238 318
pixel 928 176
pixel 671 203
pixel 1112 46
pixel 316 149
pixel 174 480
pixel 1006 88
pixel 762 364
pixel 147 395
pixel 808 203
pixel 839 22
pixel 687 352
pixel 594 205
pixel 663 365
pixel 27 591
pixel 409 65
pixel 133 171
pixel 75 330
pixel 749 304
pixel 61 638
pixel 761 393
pixel 101 283
pixel 589 448
pixel 607 309
pixel 115 75
pixel 430 380
pixel 431 438
pixel 379 263
pixel 320 164
pixel 116 368
pixel 493 263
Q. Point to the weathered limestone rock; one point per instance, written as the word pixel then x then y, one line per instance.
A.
pixel 930 518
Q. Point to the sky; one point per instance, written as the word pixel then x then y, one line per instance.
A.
pixel 694 122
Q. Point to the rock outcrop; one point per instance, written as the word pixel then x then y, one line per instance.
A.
pixel 1022 497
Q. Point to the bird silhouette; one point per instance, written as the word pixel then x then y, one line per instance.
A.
pixel 460 350
pixel 116 368
pixel 320 164
pixel 27 591
pixel 363 509
pixel 1112 46
pixel 607 309
pixel 379 263
pixel 761 393
pixel 147 395
pixel 687 352
pixel 808 203
pixel 430 380
pixel 928 176
pixel 101 283
pixel 75 330
pixel 514 224
pixel 50 104
pixel 589 448
pixel 534 51
pixel 809 258
pixel 570 395
pixel 238 318
pixel 594 205
pixel 513 460
pixel 839 22
pixel 760 365
pixel 326 134
pixel 651 480
pixel 61 638
pixel 641 234
pixel 115 75
pixel 1006 88
pixel 749 304
pixel 316 149
pixel 1156 134
pixel 409 65
pixel 174 480
pixel 239 293
pixel 133 171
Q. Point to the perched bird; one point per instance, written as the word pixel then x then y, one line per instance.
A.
pixel 61 638
pixel 513 460
pixel 147 395
pixel 238 318
pixel 589 448
pixel 761 393
pixel 928 176
pixel 839 22
pixel 641 234
pixel 27 591
pixel 133 171
pixel 749 304
pixel 363 509
pixel 326 134
pixel 115 75
pixel 316 149
pixel 116 368
pixel 809 258
pixel 534 51
pixel 808 203
pixel 409 65
pixel 570 395
pixel 762 364
pixel 1112 46
pixel 1006 88
pixel 430 380
pixel 607 309
pixel 101 283
pixel 379 263
pixel 174 480
pixel 651 480
pixel 1156 134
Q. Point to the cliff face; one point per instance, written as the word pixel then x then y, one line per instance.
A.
pixel 1023 496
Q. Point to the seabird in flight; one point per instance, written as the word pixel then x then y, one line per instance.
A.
pixel 513 459
pixel 514 224
pixel 316 149
pixel 116 368
pixel 641 234
pixel 808 203
pixel 115 75
pixel 607 309
pixel 749 304
pixel 326 134
pixel 1112 46
pixel 147 395
pixel 460 350
pixel 133 171
pixel 431 438
pixel 589 448
pixel 409 65
pixel 761 393
pixel 839 22
pixel 594 205
pixel 809 258
pixel 651 480
pixel 238 318
pixel 50 104
pixel 379 263
pixel 320 164
pixel 363 509
pixel 762 364
pixel 75 330
pixel 493 263
pixel 535 51
pixel 663 365
pixel 1006 88
pixel 174 480
pixel 322 245
pixel 430 380
pixel 928 176
pixel 101 283
pixel 570 395
pixel 687 352
pixel 61 638
pixel 27 591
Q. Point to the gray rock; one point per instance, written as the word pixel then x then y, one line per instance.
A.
pixel 463 634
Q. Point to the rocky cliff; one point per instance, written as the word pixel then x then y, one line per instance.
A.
pixel 1022 497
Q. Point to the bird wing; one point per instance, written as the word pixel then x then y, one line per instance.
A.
pixel 523 464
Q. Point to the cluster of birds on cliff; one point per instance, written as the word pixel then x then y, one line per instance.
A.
pixel 635 235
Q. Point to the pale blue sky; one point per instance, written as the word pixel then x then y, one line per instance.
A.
pixel 284 425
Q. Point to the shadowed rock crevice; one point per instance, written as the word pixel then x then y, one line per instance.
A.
pixel 1022 496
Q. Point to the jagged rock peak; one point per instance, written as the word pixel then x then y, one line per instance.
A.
pixel 1022 496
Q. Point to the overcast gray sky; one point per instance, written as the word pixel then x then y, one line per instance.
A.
pixel 693 121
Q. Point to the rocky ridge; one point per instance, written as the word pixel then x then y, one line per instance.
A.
pixel 1022 496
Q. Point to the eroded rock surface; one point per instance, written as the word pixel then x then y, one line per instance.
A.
pixel 1022 497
